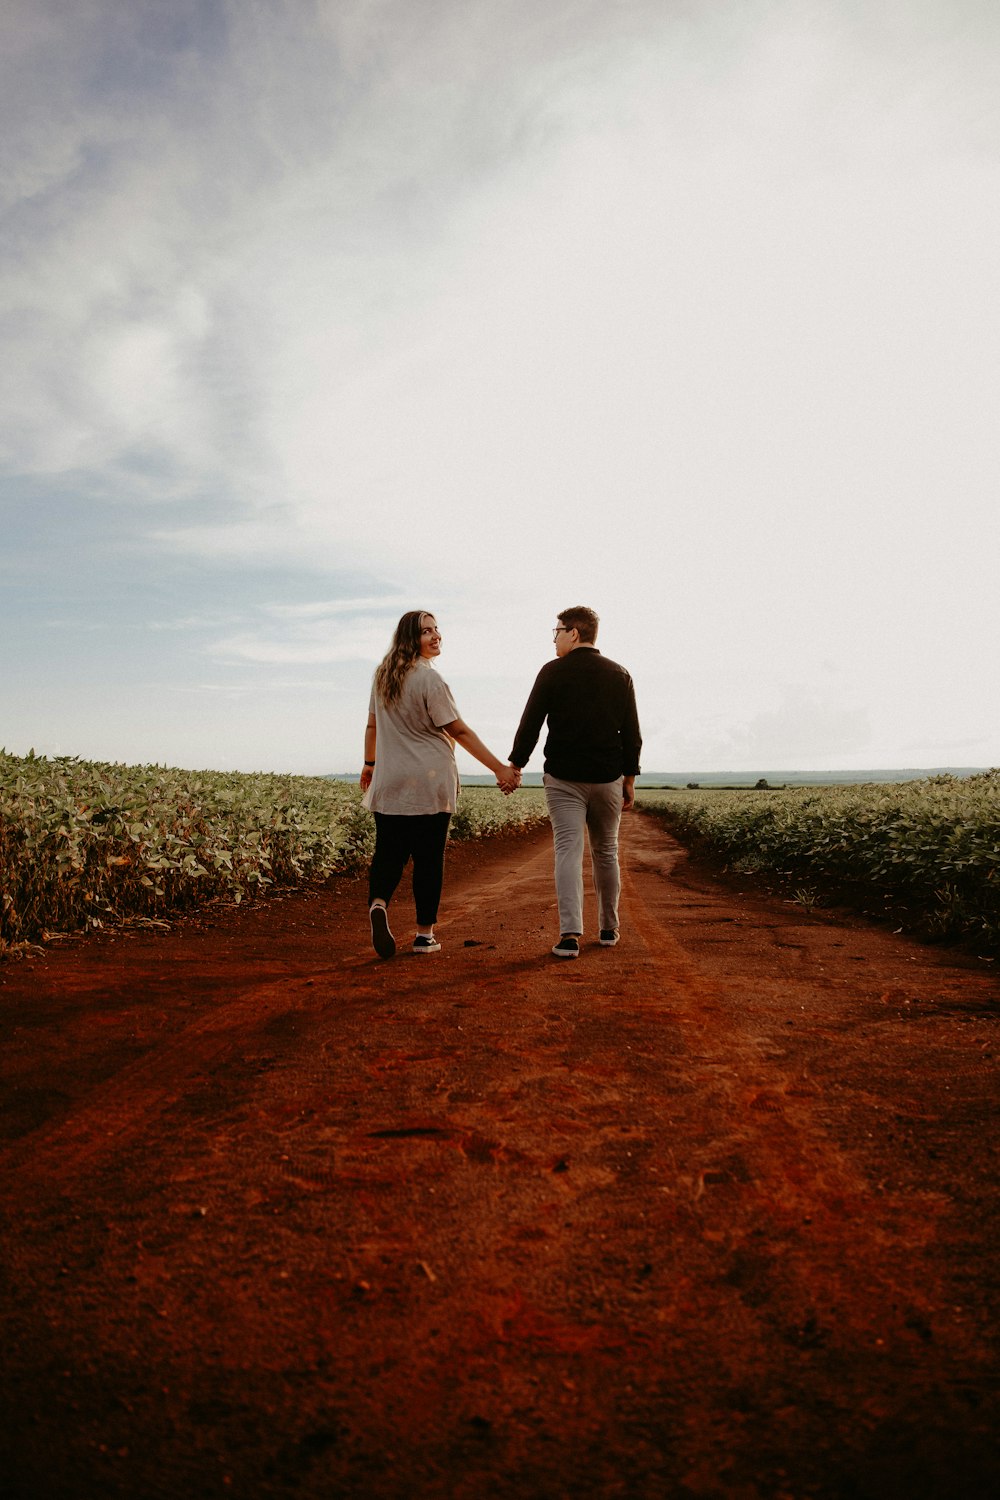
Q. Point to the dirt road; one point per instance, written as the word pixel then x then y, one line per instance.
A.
pixel 709 1214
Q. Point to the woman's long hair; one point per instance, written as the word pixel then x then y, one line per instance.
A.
pixel 400 658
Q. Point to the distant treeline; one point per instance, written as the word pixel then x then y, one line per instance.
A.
pixel 740 780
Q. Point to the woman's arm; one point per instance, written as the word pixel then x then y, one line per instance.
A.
pixel 366 773
pixel 508 777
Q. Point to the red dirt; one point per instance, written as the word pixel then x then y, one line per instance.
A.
pixel 711 1214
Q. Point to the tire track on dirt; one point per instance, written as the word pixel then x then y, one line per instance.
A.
pixel 493 897
pixel 60 1149
pixel 771 1157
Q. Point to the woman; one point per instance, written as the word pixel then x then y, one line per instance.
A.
pixel 410 779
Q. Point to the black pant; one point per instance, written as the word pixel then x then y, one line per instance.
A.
pixel 397 839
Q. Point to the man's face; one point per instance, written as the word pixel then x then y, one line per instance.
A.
pixel 565 639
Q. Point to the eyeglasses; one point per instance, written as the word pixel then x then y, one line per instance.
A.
pixel 559 628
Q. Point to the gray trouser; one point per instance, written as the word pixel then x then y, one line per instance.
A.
pixel 596 806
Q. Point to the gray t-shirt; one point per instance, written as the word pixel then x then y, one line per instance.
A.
pixel 415 769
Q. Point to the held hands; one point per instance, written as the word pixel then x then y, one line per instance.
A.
pixel 509 779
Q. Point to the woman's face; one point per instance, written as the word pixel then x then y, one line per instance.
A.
pixel 430 638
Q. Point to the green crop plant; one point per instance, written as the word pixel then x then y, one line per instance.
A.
pixel 85 844
pixel 931 847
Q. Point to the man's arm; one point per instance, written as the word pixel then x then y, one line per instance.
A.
pixel 531 723
pixel 631 736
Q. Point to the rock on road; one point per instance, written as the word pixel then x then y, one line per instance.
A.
pixel 710 1214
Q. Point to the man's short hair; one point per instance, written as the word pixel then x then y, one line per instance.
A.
pixel 582 619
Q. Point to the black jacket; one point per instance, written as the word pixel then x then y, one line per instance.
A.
pixel 589 702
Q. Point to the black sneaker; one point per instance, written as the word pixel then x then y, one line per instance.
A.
pixel 423 944
pixel 382 939
pixel 609 937
pixel 567 947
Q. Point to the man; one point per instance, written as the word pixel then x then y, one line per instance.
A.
pixel 591 762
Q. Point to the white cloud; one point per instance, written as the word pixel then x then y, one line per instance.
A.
pixel 304 635
pixel 333 607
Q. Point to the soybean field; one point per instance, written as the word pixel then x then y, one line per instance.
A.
pixel 85 844
pixel 925 851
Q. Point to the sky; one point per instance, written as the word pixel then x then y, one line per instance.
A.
pixel 316 311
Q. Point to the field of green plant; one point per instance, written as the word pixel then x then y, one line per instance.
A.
pixel 85 844
pixel 927 851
